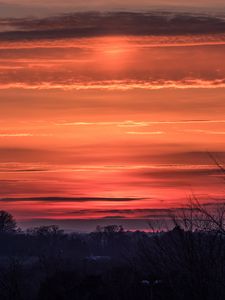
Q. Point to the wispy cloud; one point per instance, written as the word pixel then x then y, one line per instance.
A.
pixel 76 44
pixel 9 135
pixel 213 132
pixel 121 85
pixel 145 132
pixel 130 123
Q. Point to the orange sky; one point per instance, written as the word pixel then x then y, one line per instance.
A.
pixel 110 128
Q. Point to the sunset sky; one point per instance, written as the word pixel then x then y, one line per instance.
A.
pixel 109 111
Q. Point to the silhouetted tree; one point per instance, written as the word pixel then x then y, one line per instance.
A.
pixel 7 222
pixel 110 228
pixel 46 231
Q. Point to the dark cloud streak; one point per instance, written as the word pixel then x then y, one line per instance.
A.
pixel 67 199
pixel 78 25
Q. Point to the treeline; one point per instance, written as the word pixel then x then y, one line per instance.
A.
pixel 186 262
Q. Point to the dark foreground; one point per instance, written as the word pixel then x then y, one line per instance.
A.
pixel 46 264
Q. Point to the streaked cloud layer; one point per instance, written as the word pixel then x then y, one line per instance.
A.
pixel 94 24
pixel 18 8
pixel 110 116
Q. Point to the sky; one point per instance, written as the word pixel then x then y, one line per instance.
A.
pixel 110 117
